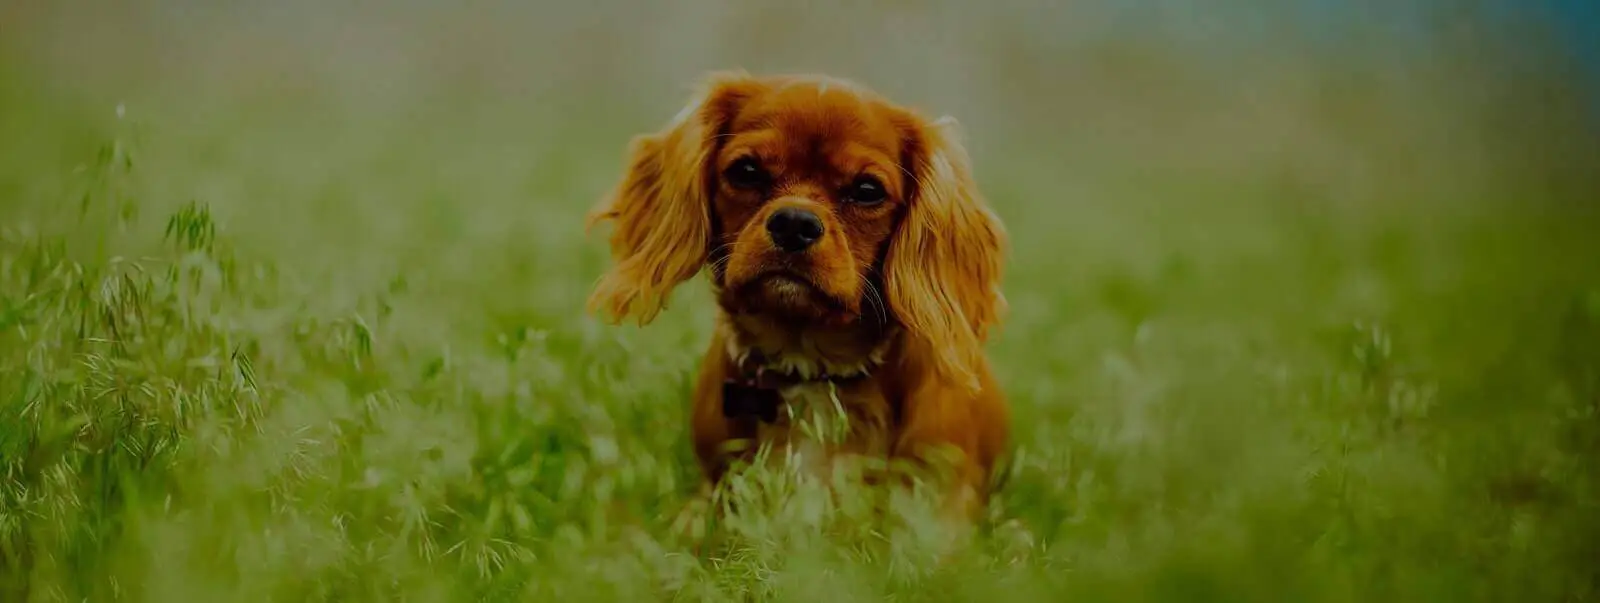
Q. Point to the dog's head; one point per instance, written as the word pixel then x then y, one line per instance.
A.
pixel 806 195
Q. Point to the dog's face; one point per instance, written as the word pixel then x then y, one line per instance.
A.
pixel 813 201
pixel 807 186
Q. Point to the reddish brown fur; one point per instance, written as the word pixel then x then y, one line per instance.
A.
pixel 906 290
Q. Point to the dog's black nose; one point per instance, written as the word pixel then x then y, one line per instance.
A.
pixel 794 229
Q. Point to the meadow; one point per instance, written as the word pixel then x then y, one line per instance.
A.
pixel 1334 337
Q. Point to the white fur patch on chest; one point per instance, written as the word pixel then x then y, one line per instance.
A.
pixel 820 425
pixel 812 423
pixel 820 420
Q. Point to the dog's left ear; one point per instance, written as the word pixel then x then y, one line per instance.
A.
pixel 945 260
pixel 662 205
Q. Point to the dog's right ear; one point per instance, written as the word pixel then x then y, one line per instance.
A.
pixel 662 205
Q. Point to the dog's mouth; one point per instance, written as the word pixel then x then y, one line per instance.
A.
pixel 788 284
pixel 787 292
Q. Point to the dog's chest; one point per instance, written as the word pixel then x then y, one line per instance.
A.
pixel 823 423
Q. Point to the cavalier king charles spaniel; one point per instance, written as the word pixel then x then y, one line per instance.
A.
pixel 855 268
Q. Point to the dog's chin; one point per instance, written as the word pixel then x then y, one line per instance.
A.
pixel 787 296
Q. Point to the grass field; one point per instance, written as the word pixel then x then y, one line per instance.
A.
pixel 258 350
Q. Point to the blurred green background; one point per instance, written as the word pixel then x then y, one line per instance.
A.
pixel 291 303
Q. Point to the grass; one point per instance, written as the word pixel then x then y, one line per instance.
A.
pixel 253 361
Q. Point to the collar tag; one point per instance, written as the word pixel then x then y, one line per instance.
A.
pixel 748 398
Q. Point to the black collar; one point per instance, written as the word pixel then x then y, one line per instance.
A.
pixel 753 391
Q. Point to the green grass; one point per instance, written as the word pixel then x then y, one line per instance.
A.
pixel 322 357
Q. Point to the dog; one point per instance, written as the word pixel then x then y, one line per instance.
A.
pixel 856 270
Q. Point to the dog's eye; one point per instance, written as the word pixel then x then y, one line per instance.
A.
pixel 866 190
pixel 746 173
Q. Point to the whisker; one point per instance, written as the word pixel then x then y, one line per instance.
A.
pixel 876 299
pixel 720 260
pixel 914 179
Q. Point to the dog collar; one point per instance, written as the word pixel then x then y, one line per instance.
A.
pixel 754 392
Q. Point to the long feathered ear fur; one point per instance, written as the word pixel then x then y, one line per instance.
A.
pixel 944 263
pixel 661 207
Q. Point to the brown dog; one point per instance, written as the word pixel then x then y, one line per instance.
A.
pixel 856 269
